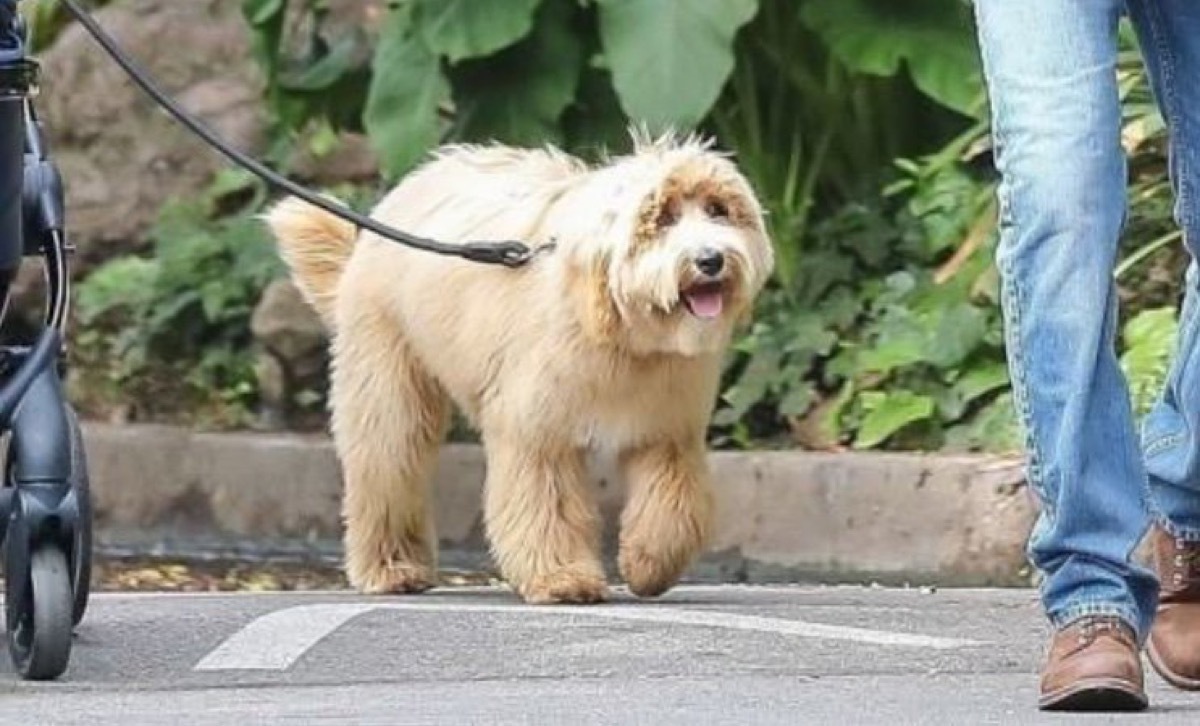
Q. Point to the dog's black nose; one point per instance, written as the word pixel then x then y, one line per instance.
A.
pixel 710 262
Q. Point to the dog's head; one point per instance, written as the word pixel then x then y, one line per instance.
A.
pixel 680 251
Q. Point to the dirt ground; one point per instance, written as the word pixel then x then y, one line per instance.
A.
pixel 176 575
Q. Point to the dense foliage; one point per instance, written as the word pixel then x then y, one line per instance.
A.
pixel 169 332
pixel 861 122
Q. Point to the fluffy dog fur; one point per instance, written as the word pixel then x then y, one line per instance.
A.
pixel 613 339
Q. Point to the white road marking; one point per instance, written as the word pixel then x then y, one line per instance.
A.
pixel 277 640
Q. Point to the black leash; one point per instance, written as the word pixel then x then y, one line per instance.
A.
pixel 509 254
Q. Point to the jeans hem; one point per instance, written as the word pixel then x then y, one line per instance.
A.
pixel 1186 534
pixel 1126 614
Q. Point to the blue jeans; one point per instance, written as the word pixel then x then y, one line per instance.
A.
pixel 1049 66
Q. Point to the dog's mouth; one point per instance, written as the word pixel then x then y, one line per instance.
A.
pixel 705 300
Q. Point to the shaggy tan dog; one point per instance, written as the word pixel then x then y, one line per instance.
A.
pixel 613 340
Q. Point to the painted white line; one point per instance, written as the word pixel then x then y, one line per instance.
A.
pixel 277 640
pixel 783 626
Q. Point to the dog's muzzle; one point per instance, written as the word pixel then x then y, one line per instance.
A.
pixel 704 296
pixel 710 262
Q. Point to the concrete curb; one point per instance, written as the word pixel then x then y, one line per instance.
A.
pixel 783 516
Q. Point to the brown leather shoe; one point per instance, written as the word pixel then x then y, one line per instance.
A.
pixel 1174 644
pixel 1093 665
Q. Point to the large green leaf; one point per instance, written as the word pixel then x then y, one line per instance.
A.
pixel 889 355
pixel 343 57
pixel 933 38
pixel 943 336
pixel 261 11
pixel 518 95
pixel 957 332
pixel 1149 339
pixel 982 380
pixel 595 123
pixel 993 429
pixel 887 413
pixel 978 381
pixel 753 384
pixel 902 340
pixel 461 29
pixel 670 58
pixel 266 18
pixel 407 88
pixel 798 400
pixel 1153 329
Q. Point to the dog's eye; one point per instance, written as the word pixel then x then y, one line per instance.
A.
pixel 668 214
pixel 716 209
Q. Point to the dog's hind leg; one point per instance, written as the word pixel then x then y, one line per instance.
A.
pixel 543 524
pixel 668 514
pixel 389 417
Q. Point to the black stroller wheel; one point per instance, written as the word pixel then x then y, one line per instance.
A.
pixel 81 572
pixel 81 564
pixel 39 626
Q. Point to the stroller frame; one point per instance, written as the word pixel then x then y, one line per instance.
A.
pixel 45 507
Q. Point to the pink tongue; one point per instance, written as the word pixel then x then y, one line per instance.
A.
pixel 706 304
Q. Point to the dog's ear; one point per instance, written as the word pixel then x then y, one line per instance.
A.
pixel 592 294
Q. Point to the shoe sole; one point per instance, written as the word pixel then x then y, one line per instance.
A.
pixel 1096 694
pixel 1180 682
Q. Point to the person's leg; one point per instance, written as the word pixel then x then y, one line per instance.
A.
pixel 1050 70
pixel 1169 33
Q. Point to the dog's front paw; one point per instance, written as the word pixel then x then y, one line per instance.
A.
pixel 650 574
pixel 565 586
pixel 392 579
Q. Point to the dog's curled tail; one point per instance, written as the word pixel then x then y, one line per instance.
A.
pixel 315 245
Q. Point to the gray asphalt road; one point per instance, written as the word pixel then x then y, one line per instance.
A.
pixel 727 655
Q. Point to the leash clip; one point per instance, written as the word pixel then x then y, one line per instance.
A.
pixel 509 254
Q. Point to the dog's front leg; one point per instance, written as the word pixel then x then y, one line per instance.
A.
pixel 542 522
pixel 668 515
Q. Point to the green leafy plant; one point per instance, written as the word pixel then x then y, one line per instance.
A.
pixel 891 336
pixel 521 71
pixel 47 18
pixel 796 88
pixel 817 113
pixel 173 326
pixel 568 71
pixel 860 122
pixel 932 39
pixel 1149 339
